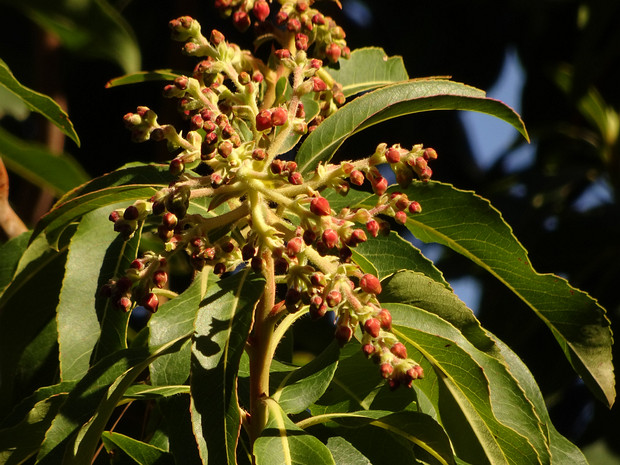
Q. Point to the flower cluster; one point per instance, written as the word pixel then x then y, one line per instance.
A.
pixel 263 212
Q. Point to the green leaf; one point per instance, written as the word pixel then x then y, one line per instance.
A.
pixel 392 101
pixel 577 321
pixel 35 287
pixel 78 324
pixel 35 163
pixel 222 326
pixel 473 387
pixel 144 391
pixel 384 255
pixel 22 441
pixel 143 76
pixel 301 387
pixel 173 319
pixel 357 385
pixel 177 423
pixel 418 290
pixel 54 222
pixel 283 442
pixel 11 252
pixel 91 28
pixel 344 453
pixel 92 402
pixel 562 450
pixel 140 452
pixel 38 102
pixel 367 69
pixel 20 411
pixel 421 430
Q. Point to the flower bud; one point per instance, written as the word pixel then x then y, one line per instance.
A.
pixel 256 263
pixel 320 206
pixel 358 236
pixel 263 120
pixel 333 298
pixel 399 350
pixel 333 52
pixel 294 246
pixel 400 217
pixel 373 327
pixel 247 252
pixel 280 266
pixel 385 318
pixel 261 10
pixel 309 236
pixel 415 207
pixel 370 284
pixel 160 278
pixel 279 116
pixel 330 238
pixel 301 41
pixel 379 185
pixel 151 302
pixel 318 85
pixel 258 154
pixel 343 334
pixel 357 177
pixel 392 155
pixel 386 369
pixel 368 350
pixel 373 228
pixel 430 154
pixel 296 178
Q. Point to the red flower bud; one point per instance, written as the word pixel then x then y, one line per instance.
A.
pixel 415 207
pixel 247 251
pixel 370 284
pixel 318 85
pixel 330 238
pixel 392 155
pixel 343 334
pixel 400 217
pixel 131 213
pixel 333 52
pixel 385 318
pixel 283 53
pixel 320 206
pixel 386 370
pixel 373 228
pixel 280 266
pixel 301 41
pixel 358 236
pixel 216 37
pixel 151 302
pixel 293 25
pixel 279 116
pixel 372 326
pixel 357 177
pixel 263 120
pixel 293 247
pixel 430 154
pixel 160 278
pixel 368 349
pixel 309 236
pixel 399 350
pixel 333 298
pixel 296 178
pixel 261 10
pixel 379 185
pixel 259 154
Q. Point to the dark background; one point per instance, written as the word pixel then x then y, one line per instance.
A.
pixel 468 41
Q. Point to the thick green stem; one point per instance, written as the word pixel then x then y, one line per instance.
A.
pixel 260 355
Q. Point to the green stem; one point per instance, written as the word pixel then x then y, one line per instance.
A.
pixel 260 356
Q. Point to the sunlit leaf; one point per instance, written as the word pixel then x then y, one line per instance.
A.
pixel 221 326
pixel 143 76
pixel 301 387
pixel 576 320
pixel 367 69
pixel 38 102
pixel 283 442
pixel 392 101
pixel 140 452
pixel 474 387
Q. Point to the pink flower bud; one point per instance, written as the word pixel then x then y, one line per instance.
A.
pixel 386 370
pixel 400 217
pixel 301 41
pixel 343 334
pixel 430 154
pixel 160 278
pixel 373 228
pixel 318 85
pixel 357 237
pixel 415 207
pixel 379 185
pixel 150 302
pixel 368 349
pixel 333 52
